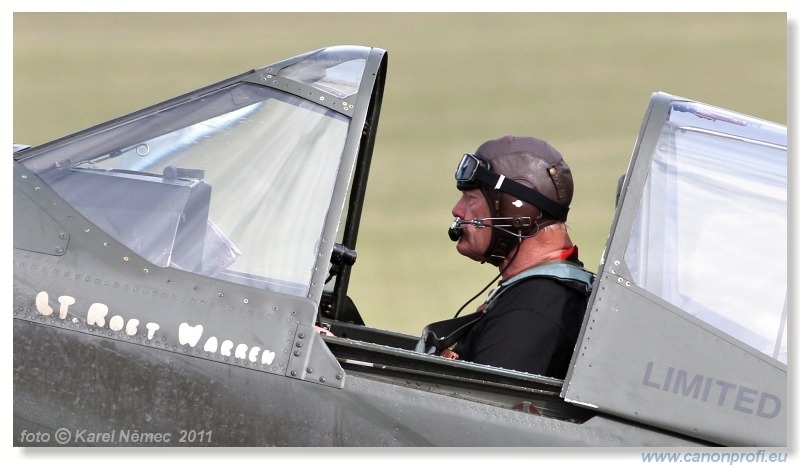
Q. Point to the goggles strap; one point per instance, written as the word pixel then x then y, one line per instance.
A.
pixel 509 186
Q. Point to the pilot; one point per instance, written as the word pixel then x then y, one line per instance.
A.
pixel 515 195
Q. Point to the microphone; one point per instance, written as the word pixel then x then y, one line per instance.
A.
pixel 456 231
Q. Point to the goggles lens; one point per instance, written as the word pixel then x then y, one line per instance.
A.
pixel 467 168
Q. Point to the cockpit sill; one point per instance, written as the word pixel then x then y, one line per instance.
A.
pixel 388 356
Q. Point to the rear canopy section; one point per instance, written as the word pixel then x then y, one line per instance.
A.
pixel 686 327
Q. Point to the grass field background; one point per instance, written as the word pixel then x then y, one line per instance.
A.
pixel 579 80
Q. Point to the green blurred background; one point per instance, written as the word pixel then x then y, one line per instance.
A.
pixel 581 81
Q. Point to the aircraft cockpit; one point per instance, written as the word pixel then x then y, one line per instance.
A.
pixel 216 229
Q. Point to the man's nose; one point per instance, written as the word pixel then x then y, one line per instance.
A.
pixel 458 210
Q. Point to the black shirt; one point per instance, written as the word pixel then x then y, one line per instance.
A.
pixel 532 327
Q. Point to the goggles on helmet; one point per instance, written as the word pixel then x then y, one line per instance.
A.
pixel 474 171
pixel 466 173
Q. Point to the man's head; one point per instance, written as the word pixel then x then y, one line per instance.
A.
pixel 521 184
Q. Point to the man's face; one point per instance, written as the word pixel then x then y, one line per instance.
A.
pixel 475 241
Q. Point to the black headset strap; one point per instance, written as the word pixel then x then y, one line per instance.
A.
pixel 509 186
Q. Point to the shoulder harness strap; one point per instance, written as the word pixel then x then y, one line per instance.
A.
pixel 568 273
pixel 442 334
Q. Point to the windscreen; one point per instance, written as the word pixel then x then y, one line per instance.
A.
pixel 235 184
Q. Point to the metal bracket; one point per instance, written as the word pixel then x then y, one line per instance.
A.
pixel 311 360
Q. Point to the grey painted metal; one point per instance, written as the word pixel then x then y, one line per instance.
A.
pixel 115 293
pixel 374 64
pixel 643 359
pixel 170 395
